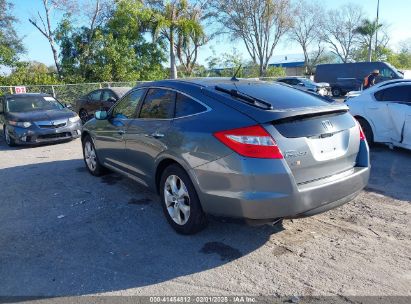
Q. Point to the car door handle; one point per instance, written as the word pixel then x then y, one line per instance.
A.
pixel 155 135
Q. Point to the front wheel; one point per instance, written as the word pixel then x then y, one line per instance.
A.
pixel 180 202
pixel 90 157
pixel 9 141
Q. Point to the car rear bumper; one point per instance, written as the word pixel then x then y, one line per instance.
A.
pixel 266 190
pixel 35 135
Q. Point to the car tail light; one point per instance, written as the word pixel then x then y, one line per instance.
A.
pixel 253 141
pixel 362 136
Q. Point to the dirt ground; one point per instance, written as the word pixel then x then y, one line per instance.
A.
pixel 64 232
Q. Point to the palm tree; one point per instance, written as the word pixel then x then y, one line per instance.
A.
pixel 367 30
pixel 173 21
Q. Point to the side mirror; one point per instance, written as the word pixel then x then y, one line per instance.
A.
pixel 300 84
pixel 68 106
pixel 101 115
pixel 112 100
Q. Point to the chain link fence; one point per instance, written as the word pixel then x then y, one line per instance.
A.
pixel 67 93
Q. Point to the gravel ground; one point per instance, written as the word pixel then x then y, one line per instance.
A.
pixel 65 232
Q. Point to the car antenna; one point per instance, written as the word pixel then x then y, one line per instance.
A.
pixel 234 78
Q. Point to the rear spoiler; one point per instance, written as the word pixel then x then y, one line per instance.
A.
pixel 293 114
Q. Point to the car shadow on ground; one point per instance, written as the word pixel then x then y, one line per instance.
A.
pixel 65 232
pixel 5 147
pixel 390 172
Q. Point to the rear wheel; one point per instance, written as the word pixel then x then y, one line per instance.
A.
pixel 336 92
pixel 180 202
pixel 90 157
pixel 366 128
pixel 9 141
pixel 83 115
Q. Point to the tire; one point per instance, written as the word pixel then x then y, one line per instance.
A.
pixel 93 165
pixel 366 128
pixel 182 206
pixel 336 92
pixel 9 141
pixel 83 115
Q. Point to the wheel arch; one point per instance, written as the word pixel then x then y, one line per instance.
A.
pixel 166 161
pixel 357 117
pixel 84 134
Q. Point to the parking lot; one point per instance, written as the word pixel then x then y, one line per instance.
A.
pixel 65 232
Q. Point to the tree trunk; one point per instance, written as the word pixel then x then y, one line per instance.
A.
pixel 173 68
pixel 370 51
pixel 56 60
pixel 262 70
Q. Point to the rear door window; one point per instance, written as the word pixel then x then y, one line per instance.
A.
pixel 94 96
pixel 158 104
pixel 186 106
pixel 107 94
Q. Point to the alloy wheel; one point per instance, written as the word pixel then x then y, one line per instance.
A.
pixel 177 199
pixel 7 136
pixel 90 156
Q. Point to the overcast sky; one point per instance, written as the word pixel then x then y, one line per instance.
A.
pixel 396 13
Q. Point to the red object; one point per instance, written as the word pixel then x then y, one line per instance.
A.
pixel 362 136
pixel 20 90
pixel 253 141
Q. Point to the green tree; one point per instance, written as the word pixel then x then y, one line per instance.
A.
pixel 117 49
pixel 174 23
pixel 30 73
pixel 367 30
pixel 402 59
pixel 10 44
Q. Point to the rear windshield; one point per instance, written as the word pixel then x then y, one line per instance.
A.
pixel 279 96
pixel 32 103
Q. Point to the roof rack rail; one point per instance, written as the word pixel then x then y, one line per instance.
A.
pixel 256 102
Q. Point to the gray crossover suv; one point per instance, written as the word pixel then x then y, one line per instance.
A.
pixel 246 149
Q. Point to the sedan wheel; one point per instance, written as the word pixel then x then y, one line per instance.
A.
pixel 181 205
pixel 9 141
pixel 336 92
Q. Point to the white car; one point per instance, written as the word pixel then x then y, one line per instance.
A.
pixel 384 112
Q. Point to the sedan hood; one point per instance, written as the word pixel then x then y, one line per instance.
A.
pixel 40 115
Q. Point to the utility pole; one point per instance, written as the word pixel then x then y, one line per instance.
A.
pixel 376 28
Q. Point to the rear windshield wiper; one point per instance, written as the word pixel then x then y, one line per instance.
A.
pixel 247 98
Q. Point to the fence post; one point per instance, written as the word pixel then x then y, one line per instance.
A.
pixel 11 90
pixel 54 93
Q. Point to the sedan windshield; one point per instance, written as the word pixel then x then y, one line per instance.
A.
pixel 307 81
pixel 32 103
